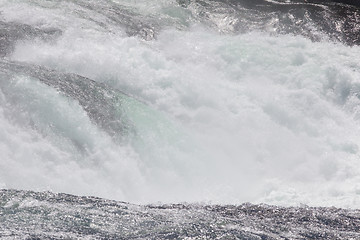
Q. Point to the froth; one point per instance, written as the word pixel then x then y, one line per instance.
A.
pixel 265 118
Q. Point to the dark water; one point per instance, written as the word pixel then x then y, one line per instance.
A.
pixel 45 215
pixel 308 18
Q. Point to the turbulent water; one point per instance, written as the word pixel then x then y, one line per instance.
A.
pixel 215 101
pixel 29 215
pixel 210 102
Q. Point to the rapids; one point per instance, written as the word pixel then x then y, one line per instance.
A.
pixel 172 101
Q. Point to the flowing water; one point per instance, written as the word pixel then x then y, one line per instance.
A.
pixel 218 101
pixel 29 215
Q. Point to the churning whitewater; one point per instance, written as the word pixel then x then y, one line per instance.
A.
pixel 173 101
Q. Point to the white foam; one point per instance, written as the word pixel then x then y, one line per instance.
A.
pixel 48 143
pixel 270 119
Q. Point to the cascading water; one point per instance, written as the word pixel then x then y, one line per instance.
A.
pixel 171 101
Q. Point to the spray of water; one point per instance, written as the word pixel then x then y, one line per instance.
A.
pixel 221 118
